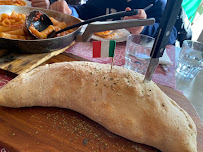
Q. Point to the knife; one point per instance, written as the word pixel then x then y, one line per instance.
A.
pixel 162 35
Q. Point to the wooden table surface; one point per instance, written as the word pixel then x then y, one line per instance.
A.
pixel 54 129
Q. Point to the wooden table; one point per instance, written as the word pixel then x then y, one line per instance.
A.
pixel 54 129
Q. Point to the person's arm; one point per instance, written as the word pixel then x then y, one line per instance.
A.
pixel 74 12
pixel 91 10
pixel 41 3
pixel 156 12
pixel 151 31
pixel 63 7
pixel 140 15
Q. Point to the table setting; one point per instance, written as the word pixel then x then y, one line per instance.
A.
pixel 83 51
pixel 128 100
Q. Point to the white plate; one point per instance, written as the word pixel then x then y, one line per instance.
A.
pixel 28 3
pixel 119 35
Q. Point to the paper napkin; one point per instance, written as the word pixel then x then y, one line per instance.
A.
pixel 165 59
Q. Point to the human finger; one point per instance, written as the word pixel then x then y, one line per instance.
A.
pixel 140 15
pixel 38 1
pixel 39 4
pixel 54 6
pixel 128 9
pixel 62 6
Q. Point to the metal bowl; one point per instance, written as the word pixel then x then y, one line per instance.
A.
pixel 39 45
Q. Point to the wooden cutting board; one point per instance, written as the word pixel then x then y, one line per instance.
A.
pixel 40 129
pixel 19 63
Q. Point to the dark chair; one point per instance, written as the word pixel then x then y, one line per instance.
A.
pixel 183 27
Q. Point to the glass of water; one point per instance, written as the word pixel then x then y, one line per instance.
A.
pixel 190 61
pixel 137 53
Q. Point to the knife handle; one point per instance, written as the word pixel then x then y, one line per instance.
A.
pixel 165 27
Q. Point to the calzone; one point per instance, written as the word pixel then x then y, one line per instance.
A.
pixel 117 99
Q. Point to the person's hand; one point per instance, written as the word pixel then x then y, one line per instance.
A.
pixel 41 3
pixel 140 15
pixel 61 6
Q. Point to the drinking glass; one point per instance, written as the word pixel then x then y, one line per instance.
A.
pixel 137 53
pixel 190 61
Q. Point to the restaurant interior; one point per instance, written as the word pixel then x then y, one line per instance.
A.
pixel 68 83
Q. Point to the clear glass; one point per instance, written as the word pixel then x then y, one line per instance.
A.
pixel 190 61
pixel 137 53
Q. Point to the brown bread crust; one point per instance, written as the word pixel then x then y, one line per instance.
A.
pixel 118 100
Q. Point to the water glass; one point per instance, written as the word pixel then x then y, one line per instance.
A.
pixel 137 53
pixel 190 61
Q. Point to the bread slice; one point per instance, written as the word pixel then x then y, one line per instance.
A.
pixel 118 100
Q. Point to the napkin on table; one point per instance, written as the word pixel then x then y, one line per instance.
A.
pixel 165 59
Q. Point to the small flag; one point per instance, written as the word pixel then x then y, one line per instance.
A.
pixel 103 48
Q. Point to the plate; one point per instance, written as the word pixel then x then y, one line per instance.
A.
pixel 28 3
pixel 119 35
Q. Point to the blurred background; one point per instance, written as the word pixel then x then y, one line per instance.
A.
pixel 188 22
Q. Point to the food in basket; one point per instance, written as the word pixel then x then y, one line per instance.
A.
pixel 117 99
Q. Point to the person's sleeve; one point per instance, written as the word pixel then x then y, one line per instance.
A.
pixel 151 31
pixel 92 8
pixel 74 12
pixel 83 11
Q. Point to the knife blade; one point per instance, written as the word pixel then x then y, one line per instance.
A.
pixel 162 35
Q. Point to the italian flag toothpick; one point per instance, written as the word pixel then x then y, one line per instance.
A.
pixel 104 49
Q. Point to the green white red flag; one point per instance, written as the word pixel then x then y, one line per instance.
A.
pixel 103 48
